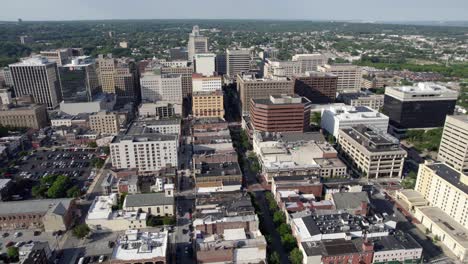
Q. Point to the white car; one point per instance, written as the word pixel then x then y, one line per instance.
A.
pixel 101 258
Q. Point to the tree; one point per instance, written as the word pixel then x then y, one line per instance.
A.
pixel 278 218
pixel 121 200
pixel 289 242
pixel 106 150
pixel 316 118
pixel 97 163
pixel 283 229
pixel 13 253
pixel 92 144
pixel 73 192
pixel 81 231
pixel 296 256
pixel 39 191
pixel 274 258
pixel 59 187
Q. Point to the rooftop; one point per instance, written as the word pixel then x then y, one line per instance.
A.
pixel 423 88
pixel 136 245
pixel 354 112
pixel 290 136
pixel 282 99
pixel 148 199
pixel 33 206
pixel 217 169
pixel 349 200
pixel 397 241
pixel 372 139
pixel 449 174
pixel 33 61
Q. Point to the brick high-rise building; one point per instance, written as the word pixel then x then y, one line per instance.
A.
pixel 280 113
pixel 250 87
pixel 319 88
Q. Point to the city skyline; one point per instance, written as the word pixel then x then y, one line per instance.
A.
pixel 368 11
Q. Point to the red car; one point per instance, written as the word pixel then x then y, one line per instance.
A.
pixel 9 244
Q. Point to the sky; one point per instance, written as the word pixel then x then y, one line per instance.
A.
pixel 363 10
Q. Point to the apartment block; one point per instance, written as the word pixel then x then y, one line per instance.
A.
pixel 141 149
pixel 105 122
pixel 372 152
pixel 39 78
pixel 250 87
pixel 208 104
pixel 280 113
pixel 349 76
pixel 30 116
pixel 318 87
pixel 446 214
pixel 453 148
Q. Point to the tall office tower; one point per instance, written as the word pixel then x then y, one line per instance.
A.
pixel 118 76
pixel 186 71
pixel 310 62
pixel 79 80
pixel 197 43
pixel 318 87
pixel 424 105
pixel 250 87
pixel 161 87
pixel 178 54
pixel 237 61
pixel 280 68
pixel 220 64
pixel 202 83
pixel 39 78
pixel 280 113
pixel 349 76
pixel 60 56
pixel 208 104
pixel 205 63
pixel 453 148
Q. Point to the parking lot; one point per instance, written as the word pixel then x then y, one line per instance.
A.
pixel 69 162
pixel 18 238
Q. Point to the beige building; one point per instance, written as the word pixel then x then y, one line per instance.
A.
pixel 186 71
pixel 453 148
pixel 374 101
pixel 32 116
pixel 208 104
pixel 105 122
pixel 446 191
pixel 157 204
pixel 349 76
pixel 118 76
pixel 250 87
pixel 372 152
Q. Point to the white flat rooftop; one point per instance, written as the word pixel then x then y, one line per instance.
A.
pixel 148 245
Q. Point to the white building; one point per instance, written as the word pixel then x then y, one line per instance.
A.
pixel 163 126
pixel 141 247
pixel 101 217
pixel 281 68
pixel 202 83
pixel 160 109
pixel 349 76
pixel 310 62
pixel 205 63
pixel 161 87
pixel 103 102
pixel 141 149
pixel 335 118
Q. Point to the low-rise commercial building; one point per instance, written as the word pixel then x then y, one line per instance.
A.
pixel 160 109
pixel 217 177
pixel 141 247
pixel 102 218
pixel 47 214
pixel 336 118
pixel 104 122
pixel 374 153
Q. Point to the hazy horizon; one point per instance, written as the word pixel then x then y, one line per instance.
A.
pixel 339 10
